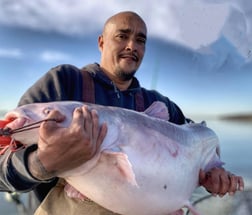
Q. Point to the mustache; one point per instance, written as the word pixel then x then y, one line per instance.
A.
pixel 131 54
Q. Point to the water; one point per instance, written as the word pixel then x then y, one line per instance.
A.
pixel 236 152
pixel 236 145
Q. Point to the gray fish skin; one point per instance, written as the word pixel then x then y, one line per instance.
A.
pixel 145 165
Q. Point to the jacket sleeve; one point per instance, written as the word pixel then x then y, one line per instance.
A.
pixel 175 113
pixel 14 172
pixel 60 83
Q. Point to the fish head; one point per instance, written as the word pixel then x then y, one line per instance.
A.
pixel 31 113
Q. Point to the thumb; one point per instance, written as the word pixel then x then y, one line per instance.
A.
pixel 56 116
pixel 50 124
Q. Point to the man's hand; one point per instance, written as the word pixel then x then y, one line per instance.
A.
pixel 219 182
pixel 61 149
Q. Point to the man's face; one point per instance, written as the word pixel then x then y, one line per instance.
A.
pixel 122 46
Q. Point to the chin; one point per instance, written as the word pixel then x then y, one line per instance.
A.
pixel 127 76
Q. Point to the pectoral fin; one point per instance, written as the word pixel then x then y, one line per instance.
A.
pixel 120 163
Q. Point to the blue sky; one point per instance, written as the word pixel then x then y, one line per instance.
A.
pixel 199 55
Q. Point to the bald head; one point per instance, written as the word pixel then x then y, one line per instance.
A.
pixel 125 15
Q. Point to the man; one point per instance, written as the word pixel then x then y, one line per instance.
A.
pixel 122 47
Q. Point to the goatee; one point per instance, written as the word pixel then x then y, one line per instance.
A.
pixel 124 76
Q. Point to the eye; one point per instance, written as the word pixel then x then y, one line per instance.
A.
pixel 122 36
pixel 141 40
pixel 47 110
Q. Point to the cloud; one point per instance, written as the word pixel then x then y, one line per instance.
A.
pixel 197 24
pixel 167 19
pixel 68 17
pixel 52 56
pixel 10 53
pixel 238 28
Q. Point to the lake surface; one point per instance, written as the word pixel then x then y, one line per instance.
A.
pixel 236 145
pixel 236 151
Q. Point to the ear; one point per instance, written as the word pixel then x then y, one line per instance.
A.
pixel 100 42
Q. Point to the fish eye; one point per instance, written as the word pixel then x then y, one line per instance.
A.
pixel 47 111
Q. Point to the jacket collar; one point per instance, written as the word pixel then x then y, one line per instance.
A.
pixel 96 71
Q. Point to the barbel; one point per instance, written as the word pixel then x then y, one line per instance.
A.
pixel 8 131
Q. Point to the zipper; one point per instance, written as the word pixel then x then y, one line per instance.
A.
pixel 116 90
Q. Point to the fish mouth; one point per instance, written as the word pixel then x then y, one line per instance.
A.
pixel 15 122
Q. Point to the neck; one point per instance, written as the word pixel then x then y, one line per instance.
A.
pixel 120 84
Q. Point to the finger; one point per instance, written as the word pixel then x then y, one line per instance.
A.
pixel 225 184
pixel 233 184
pixel 100 138
pixel 216 182
pixel 87 120
pixel 237 183
pixel 78 117
pixel 202 177
pixel 102 134
pixel 240 183
pixel 95 125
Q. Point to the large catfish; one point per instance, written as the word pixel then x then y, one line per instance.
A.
pixel 145 165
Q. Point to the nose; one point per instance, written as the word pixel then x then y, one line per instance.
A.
pixel 131 46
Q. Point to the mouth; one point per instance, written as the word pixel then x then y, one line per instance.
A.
pixel 6 127
pixel 16 123
pixel 132 57
pixel 15 120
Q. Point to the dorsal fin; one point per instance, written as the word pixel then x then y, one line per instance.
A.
pixel 159 110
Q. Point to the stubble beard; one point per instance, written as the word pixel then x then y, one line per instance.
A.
pixel 125 76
